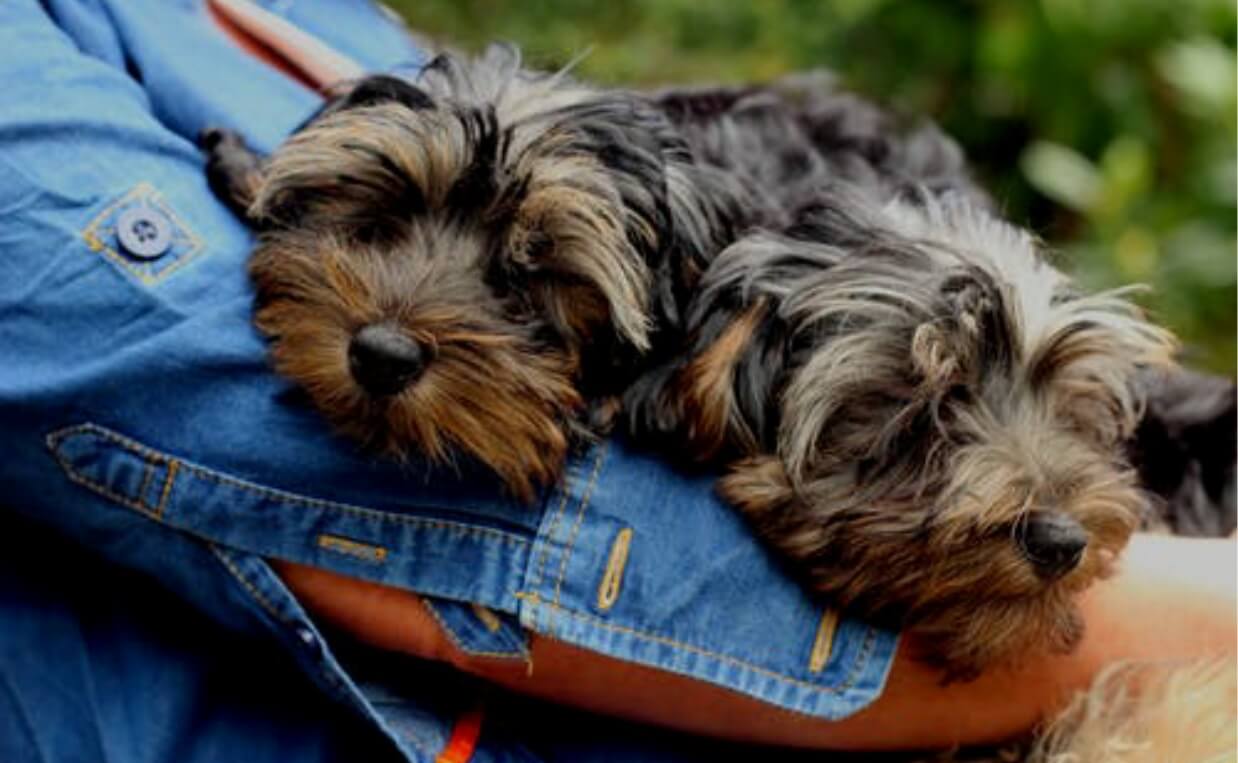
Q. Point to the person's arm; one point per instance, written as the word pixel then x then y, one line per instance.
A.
pixel 1174 599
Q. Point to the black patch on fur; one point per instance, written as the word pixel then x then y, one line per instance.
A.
pixel 476 187
pixel 1185 450
pixel 381 88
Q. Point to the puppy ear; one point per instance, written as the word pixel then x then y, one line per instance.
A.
pixel 602 201
pixel 965 337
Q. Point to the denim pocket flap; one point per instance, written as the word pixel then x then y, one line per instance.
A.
pixel 143 236
pixel 480 631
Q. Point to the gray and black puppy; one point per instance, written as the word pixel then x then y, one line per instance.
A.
pixel 921 414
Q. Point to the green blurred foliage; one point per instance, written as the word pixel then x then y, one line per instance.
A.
pixel 1106 126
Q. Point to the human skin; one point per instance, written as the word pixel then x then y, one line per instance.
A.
pixel 1173 599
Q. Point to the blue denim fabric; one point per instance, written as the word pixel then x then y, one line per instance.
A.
pixel 140 418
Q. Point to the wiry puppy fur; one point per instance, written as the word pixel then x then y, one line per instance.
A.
pixel 923 416
pixel 474 262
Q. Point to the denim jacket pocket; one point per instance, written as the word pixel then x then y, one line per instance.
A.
pixel 142 235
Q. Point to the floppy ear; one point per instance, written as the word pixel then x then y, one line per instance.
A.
pixel 634 142
pixel 596 213
pixel 234 171
pixel 966 335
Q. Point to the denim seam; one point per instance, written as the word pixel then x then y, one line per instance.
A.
pixel 263 601
pixel 147 475
pixel 221 553
pixel 291 498
pixel 521 653
pixel 565 491
pixel 861 659
pixel 154 457
pixel 54 438
pixel 580 517
pixel 173 464
pixel 53 441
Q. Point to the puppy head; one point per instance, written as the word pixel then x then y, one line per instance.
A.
pixel 963 395
pixel 446 266
pixel 947 419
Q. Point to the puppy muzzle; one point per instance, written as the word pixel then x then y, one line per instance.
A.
pixel 1053 543
pixel 383 360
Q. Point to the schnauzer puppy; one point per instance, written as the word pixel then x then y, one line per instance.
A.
pixel 923 417
pixel 920 414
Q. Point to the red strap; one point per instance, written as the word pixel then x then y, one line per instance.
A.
pixel 257 48
pixel 464 738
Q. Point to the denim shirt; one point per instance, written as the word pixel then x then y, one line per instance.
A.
pixel 140 417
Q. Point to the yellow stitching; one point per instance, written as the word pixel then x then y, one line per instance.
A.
pixel 92 239
pixel 103 490
pixel 580 517
pixel 91 234
pixel 566 491
pixel 488 618
pixel 150 194
pixel 196 244
pixel 265 603
pixel 353 548
pixel 147 474
pixel 52 441
pixel 181 226
pixel 54 438
pixel 167 488
pixel 824 643
pixel 290 498
pixel 608 590
pixel 521 654
pixel 862 658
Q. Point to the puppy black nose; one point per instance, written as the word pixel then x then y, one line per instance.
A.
pixel 383 360
pixel 1053 542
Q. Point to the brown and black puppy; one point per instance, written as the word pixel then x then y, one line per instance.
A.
pixel 473 263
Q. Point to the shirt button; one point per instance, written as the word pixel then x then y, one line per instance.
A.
pixel 144 233
pixel 307 636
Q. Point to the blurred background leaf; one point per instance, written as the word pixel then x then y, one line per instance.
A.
pixel 1106 126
